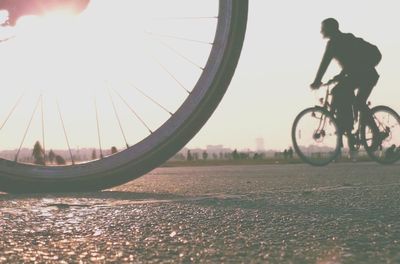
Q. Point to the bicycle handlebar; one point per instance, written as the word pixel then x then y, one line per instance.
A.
pixel 331 81
pixel 324 100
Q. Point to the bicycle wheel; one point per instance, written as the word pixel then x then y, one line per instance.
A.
pixel 383 146
pixel 225 23
pixel 315 136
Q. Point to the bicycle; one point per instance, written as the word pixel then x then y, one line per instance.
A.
pixel 186 55
pixel 317 140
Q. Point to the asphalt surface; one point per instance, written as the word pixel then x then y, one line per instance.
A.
pixel 342 213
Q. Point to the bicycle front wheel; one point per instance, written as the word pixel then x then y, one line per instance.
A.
pixel 383 145
pixel 315 136
pixel 190 55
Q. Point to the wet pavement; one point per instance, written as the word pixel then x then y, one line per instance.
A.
pixel 342 213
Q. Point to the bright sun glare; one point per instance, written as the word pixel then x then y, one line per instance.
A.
pixel 53 50
pixel 69 59
pixel 75 61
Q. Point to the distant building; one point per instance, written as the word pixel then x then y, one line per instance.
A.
pixel 216 149
pixel 260 145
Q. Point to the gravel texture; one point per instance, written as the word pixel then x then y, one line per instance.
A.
pixel 342 213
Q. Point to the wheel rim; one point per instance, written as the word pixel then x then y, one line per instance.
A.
pixel 162 143
pixel 384 147
pixel 315 137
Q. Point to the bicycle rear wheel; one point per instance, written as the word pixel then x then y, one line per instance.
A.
pixel 168 135
pixel 315 136
pixel 383 146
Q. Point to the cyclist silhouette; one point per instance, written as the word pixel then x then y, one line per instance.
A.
pixel 357 74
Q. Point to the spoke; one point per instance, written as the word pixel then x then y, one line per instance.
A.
pixel 65 132
pixel 117 116
pixel 169 73
pixel 134 112
pixel 180 38
pixel 44 145
pixel 12 110
pixel 172 76
pixel 180 55
pixel 185 18
pixel 6 39
pixel 27 128
pixel 98 127
pixel 151 99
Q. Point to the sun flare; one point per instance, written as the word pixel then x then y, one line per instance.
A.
pixel 59 48
pixel 100 62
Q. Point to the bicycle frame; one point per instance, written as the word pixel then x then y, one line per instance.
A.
pixel 370 129
pixel 326 104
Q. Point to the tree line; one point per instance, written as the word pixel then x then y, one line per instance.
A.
pixel 234 155
pixel 40 157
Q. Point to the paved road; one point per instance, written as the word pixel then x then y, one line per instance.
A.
pixel 343 213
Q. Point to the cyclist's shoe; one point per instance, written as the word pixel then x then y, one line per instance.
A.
pixel 383 135
pixel 352 142
pixel 377 140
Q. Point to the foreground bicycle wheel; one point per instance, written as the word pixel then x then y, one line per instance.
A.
pixel 383 146
pixel 165 136
pixel 315 136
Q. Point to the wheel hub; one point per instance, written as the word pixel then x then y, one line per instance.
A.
pixel 319 135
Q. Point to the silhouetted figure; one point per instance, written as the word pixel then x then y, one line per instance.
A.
pixel 290 153
pixel 205 155
pixel 189 156
pixel 285 154
pixel 235 155
pixel 358 59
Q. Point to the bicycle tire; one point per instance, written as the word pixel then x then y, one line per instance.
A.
pixel 375 155
pixel 167 140
pixel 298 148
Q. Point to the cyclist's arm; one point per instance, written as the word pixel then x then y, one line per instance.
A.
pixel 340 76
pixel 326 60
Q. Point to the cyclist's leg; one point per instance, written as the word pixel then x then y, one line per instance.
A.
pixel 366 84
pixel 342 101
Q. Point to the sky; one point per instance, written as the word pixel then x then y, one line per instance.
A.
pixel 96 80
pixel 282 52
pixel 55 65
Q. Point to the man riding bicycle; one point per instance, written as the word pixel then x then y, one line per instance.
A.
pixel 358 59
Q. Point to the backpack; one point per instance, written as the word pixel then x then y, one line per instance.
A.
pixel 367 53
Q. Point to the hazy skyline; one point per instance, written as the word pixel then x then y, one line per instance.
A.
pixel 282 51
